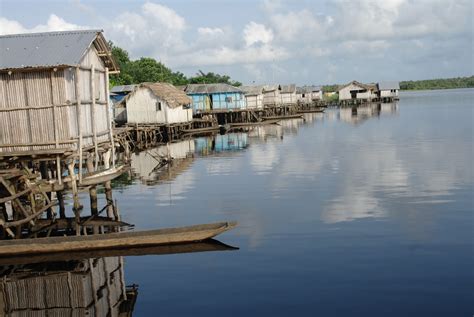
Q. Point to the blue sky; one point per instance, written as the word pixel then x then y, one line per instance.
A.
pixel 303 42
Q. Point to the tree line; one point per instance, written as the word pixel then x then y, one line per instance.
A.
pixel 441 83
pixel 148 69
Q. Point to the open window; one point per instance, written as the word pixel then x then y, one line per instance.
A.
pixel 158 106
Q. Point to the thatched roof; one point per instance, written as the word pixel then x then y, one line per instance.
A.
pixel 167 92
pixel 288 89
pixel 252 90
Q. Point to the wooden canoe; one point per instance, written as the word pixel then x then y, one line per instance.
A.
pixel 209 245
pixel 290 116
pixel 114 240
pixel 310 111
pixel 103 176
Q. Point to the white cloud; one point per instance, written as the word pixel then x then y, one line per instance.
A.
pixel 54 23
pixel 205 31
pixel 255 33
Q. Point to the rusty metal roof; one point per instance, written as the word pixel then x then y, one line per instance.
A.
pixel 51 49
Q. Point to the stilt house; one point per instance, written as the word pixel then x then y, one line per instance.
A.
pixel 253 96
pixel 288 95
pixel 154 103
pixel 215 97
pixel 358 91
pixel 54 94
pixel 389 91
pixel 271 95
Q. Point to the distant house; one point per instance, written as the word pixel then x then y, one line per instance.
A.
pixel 54 91
pixel 358 91
pixel 308 94
pixel 117 93
pixel 154 103
pixel 288 94
pixel 215 97
pixel 271 95
pixel 253 96
pixel 389 90
pixel 302 96
pixel 316 92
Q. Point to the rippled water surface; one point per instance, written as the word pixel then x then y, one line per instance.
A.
pixel 344 214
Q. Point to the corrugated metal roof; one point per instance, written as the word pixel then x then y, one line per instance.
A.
pixel 308 89
pixel 123 88
pixel 356 83
pixel 389 85
pixel 252 90
pixel 210 88
pixel 48 49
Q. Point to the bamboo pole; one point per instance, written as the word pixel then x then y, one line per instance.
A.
pixel 79 119
pixel 93 112
pixel 109 120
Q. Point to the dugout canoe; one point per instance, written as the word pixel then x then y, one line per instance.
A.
pixel 114 240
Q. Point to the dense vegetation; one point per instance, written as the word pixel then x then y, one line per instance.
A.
pixel 148 69
pixel 445 83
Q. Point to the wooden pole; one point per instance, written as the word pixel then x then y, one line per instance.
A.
pixel 109 120
pixel 76 205
pixel 92 189
pixel 93 112
pixel 79 119
pixel 108 188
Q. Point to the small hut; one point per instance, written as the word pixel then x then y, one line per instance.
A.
pixel 389 91
pixel 54 91
pixel 154 103
pixel 253 96
pixel 288 95
pixel 357 91
pixel 271 95
pixel 215 97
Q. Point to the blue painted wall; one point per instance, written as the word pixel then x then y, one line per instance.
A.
pixel 220 101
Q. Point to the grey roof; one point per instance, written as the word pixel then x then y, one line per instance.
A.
pixel 388 85
pixel 288 89
pixel 210 88
pixel 48 49
pixel 269 88
pixel 307 89
pixel 124 88
pixel 252 90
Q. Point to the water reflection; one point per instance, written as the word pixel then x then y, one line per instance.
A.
pixel 79 283
pixel 89 287
pixel 360 114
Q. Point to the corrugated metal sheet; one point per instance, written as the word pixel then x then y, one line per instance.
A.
pixel 389 85
pixel 44 49
pixel 210 88
pixel 252 90
pixel 122 89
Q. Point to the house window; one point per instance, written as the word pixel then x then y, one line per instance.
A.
pixel 158 106
pixel 228 99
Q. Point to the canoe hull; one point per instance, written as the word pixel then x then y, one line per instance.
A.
pixel 114 240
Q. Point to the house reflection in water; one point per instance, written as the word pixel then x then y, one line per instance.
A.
pixel 162 163
pixel 358 115
pixel 88 287
pixel 221 143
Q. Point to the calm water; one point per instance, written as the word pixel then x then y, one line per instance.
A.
pixel 344 214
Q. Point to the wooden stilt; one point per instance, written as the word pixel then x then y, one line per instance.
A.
pixel 76 205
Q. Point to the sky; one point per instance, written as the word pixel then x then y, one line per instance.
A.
pixel 273 41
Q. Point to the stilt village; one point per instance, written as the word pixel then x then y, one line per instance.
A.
pixel 65 133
